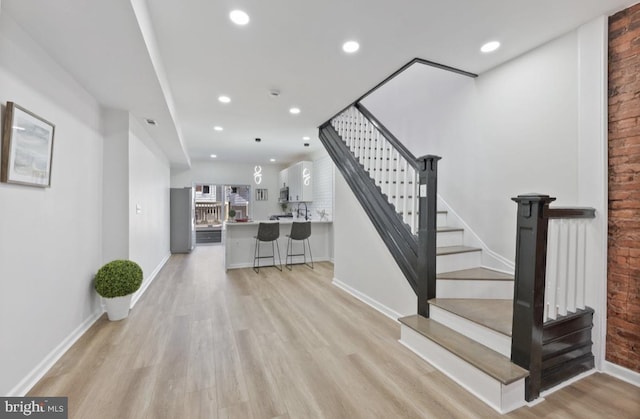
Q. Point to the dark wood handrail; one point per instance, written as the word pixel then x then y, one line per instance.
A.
pixel 569 212
pixel 404 151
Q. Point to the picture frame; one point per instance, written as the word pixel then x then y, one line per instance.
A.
pixel 27 148
pixel 262 194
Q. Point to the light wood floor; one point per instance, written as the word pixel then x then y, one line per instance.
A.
pixel 205 344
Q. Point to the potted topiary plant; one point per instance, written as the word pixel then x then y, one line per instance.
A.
pixel 232 214
pixel 116 282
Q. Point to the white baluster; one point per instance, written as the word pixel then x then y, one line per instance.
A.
pixel 563 268
pixel 385 168
pixel 551 276
pixel 396 179
pixel 405 192
pixel 581 271
pixel 572 260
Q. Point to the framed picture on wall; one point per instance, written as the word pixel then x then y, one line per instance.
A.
pixel 27 148
pixel 262 194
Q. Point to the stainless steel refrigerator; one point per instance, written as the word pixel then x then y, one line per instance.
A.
pixel 183 228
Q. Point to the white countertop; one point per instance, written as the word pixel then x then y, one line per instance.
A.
pixel 282 221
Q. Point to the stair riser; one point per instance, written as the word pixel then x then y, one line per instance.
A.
pixel 481 334
pixel 450 238
pixel 502 398
pixel 458 261
pixel 460 288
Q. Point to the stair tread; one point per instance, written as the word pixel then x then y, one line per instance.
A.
pixel 480 274
pixel 490 362
pixel 495 314
pixel 445 229
pixel 450 250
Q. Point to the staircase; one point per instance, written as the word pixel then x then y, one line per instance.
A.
pixel 468 333
pixel 466 312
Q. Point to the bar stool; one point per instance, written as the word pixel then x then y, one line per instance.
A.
pixel 267 232
pixel 299 231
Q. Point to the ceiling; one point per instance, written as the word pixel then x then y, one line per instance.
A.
pixel 170 60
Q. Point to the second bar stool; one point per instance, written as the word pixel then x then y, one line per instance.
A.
pixel 299 231
pixel 267 232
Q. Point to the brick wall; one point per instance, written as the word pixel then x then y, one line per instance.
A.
pixel 623 290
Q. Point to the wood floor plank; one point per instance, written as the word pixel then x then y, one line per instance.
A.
pixel 204 343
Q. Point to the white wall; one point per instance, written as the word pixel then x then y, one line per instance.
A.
pixel 512 130
pixel 115 207
pixel 363 262
pixel 50 239
pixel 149 180
pixel 222 173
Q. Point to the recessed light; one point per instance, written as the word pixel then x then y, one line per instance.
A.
pixel 306 138
pixel 294 111
pixel 213 156
pixel 218 128
pixel 350 47
pixel 490 46
pixel 272 160
pixel 239 17
pixel 224 99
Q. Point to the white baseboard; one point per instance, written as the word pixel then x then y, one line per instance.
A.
pixel 23 387
pixel 149 280
pixel 621 373
pixel 45 365
pixel 392 314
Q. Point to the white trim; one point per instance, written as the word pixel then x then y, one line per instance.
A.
pixel 621 373
pixel 138 294
pixel 31 379
pixel 490 259
pixel 592 48
pixel 392 314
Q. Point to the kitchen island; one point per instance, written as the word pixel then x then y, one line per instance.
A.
pixel 239 242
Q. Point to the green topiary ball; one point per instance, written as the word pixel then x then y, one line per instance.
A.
pixel 118 278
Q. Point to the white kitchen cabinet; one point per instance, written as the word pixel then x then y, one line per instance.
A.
pixel 283 178
pixel 300 178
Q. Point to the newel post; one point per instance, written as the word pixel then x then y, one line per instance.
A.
pixel 428 212
pixel 528 301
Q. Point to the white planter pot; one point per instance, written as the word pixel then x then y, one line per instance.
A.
pixel 118 307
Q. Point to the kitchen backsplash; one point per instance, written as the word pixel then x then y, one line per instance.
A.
pixel 322 189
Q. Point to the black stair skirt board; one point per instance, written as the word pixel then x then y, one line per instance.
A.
pixel 395 233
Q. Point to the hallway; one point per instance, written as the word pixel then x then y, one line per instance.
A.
pixel 204 344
